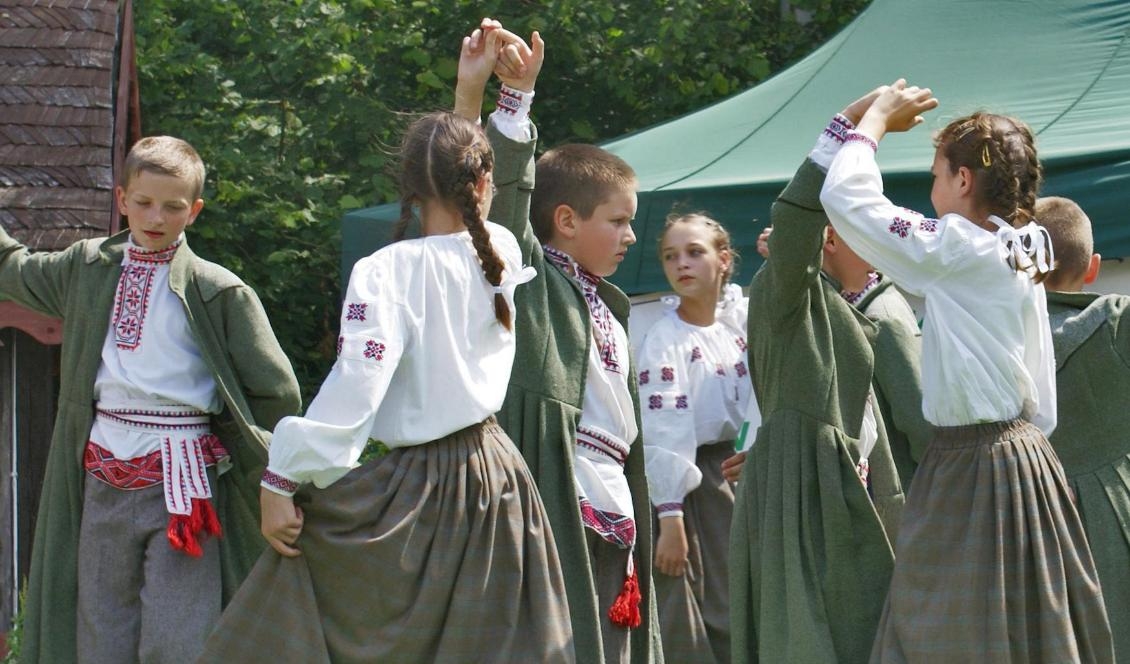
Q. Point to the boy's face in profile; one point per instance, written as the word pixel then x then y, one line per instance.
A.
pixel 158 208
pixel 602 239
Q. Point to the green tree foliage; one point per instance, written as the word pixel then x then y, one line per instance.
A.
pixel 296 107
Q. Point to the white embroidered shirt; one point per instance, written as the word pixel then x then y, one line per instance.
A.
pixel 420 356
pixel 694 391
pixel 986 343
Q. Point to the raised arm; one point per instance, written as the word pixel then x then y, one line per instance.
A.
pixel 35 280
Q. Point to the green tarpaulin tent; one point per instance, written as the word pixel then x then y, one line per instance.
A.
pixel 1063 66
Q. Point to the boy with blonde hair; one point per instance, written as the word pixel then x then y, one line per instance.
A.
pixel 1092 372
pixel 162 423
pixel 572 406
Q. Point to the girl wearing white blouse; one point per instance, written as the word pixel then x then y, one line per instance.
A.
pixel 440 550
pixel 694 389
pixel 991 560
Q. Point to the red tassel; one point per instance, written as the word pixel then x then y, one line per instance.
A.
pixel 208 514
pixel 625 611
pixel 184 531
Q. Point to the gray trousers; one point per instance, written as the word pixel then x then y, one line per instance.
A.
pixel 139 600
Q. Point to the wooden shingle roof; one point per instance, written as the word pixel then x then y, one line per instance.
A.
pixel 58 143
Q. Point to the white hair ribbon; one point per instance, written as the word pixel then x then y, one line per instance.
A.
pixel 520 277
pixel 1025 248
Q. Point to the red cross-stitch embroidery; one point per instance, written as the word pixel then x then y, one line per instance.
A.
pixel 340 343
pixel 645 376
pixel 719 370
pixel 696 354
pixel 929 225
pixel 899 227
pixel 355 311
pixel 374 350
pixel 667 374
pixel 740 368
pixel 681 402
pixel 741 343
pixel 655 402
pixel 130 304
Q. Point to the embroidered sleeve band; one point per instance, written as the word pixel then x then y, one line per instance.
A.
pixel 278 483
pixel 856 137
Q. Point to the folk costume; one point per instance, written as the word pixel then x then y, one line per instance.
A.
pixel 236 382
pixel 991 546
pixel 439 550
pixel 694 391
pixel 1091 336
pixel 810 557
pixel 898 373
pixel 572 409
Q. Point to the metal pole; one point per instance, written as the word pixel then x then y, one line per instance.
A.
pixel 15 486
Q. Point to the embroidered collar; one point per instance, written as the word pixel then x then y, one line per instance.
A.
pixel 136 254
pixel 854 298
pixel 571 267
pixel 603 326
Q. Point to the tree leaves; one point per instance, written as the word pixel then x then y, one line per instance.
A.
pixel 297 107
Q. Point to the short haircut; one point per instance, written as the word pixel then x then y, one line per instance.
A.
pixel 165 155
pixel 580 176
pixel 1072 242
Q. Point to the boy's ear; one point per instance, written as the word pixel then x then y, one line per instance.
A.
pixel 565 220
pixel 830 239
pixel 120 199
pixel 1093 266
pixel 197 206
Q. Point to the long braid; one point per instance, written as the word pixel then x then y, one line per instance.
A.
pixel 492 265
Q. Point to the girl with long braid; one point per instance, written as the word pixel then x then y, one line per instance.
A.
pixel 439 550
pixel 991 561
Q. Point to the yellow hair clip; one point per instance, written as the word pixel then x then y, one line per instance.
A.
pixel 986 160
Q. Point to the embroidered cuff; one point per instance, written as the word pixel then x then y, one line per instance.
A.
pixel 277 483
pixel 512 114
pixel 838 128
pixel 830 141
pixel 857 137
pixel 514 102
pixel 664 510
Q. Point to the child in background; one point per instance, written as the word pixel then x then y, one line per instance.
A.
pixel 1092 357
pixel 184 385
pixel 897 344
pixel 439 550
pixel 694 382
pixel 572 406
pixel 992 561
pixel 810 555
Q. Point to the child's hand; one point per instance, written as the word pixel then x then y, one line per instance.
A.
pixel 671 548
pixel 732 467
pixel 857 108
pixel 518 64
pixel 898 108
pixel 479 55
pixel 763 242
pixel 281 522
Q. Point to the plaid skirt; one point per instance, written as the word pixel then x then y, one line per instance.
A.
pixel 991 562
pixel 434 553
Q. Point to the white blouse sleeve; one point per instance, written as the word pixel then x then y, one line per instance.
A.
pixel 669 440
pixel 325 444
pixel 913 250
pixel 1039 356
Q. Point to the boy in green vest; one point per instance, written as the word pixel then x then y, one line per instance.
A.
pixel 1092 359
pixel 181 387
pixel 572 404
